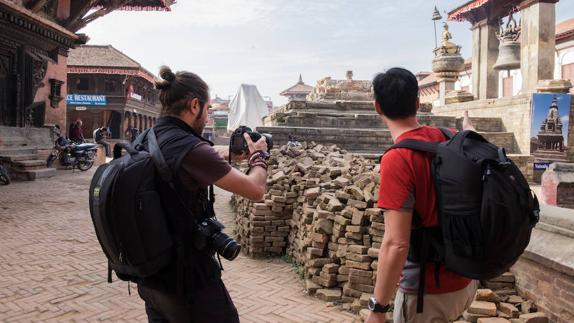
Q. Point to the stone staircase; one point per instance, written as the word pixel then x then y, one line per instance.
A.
pixel 24 152
pixel 356 127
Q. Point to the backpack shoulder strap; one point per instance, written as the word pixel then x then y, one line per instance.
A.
pixel 447 133
pixel 140 138
pixel 418 145
pixel 157 157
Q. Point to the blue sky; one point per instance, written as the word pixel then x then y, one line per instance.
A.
pixel 269 42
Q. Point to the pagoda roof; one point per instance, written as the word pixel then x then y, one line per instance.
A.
pixel 143 5
pixel 299 88
pixel 477 10
pixel 104 59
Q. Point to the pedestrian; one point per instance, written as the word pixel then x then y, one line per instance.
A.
pixel 407 196
pixel 191 290
pixel 100 136
pixel 77 133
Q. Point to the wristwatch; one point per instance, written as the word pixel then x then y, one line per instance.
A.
pixel 375 307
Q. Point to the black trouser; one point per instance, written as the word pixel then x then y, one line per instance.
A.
pixel 106 147
pixel 210 304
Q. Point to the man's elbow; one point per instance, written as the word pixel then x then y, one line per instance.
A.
pixel 396 247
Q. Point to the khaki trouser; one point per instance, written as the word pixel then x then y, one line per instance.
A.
pixel 438 308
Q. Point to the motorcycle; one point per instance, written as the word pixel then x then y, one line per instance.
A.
pixel 4 176
pixel 81 156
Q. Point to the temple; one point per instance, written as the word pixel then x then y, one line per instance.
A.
pixel 298 92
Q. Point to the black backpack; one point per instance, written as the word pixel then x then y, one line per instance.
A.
pixel 127 213
pixel 486 210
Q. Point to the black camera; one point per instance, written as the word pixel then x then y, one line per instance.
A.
pixel 238 145
pixel 210 236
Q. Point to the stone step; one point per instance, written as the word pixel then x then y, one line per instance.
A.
pixel 11 151
pixel 483 124
pixel 13 158
pixel 30 175
pixel 362 140
pixel 13 142
pixel 29 164
pixel 337 119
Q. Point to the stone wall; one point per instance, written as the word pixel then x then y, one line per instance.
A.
pixel 515 113
pixel 516 116
pixel 545 273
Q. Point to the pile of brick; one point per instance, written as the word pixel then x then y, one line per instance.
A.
pixel 498 302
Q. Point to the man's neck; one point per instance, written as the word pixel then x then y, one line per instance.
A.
pixel 398 127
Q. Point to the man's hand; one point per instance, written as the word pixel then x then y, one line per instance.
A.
pixel 376 318
pixel 261 144
pixel 466 123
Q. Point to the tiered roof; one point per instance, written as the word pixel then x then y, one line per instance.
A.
pixel 91 59
pixel 299 88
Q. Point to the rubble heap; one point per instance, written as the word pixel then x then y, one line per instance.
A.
pixel 320 210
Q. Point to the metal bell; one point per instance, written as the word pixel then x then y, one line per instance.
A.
pixel 508 55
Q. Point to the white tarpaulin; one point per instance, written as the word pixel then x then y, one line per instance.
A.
pixel 247 108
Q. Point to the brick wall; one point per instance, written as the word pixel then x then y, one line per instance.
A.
pixel 59 72
pixel 551 290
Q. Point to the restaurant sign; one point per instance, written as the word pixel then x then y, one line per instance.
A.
pixel 86 99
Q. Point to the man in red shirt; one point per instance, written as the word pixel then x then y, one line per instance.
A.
pixel 407 188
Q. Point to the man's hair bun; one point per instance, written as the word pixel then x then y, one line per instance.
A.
pixel 168 77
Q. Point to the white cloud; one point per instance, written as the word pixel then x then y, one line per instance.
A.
pixel 565 119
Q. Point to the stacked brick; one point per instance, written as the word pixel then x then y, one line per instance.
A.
pixel 262 228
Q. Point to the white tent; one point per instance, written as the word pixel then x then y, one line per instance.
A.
pixel 247 108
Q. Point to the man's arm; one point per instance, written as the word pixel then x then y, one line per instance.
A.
pixel 251 185
pixel 392 257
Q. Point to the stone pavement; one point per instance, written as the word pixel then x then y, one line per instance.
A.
pixel 52 268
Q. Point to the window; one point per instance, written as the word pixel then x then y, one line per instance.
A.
pixel 110 86
pixel 507 87
pixel 83 84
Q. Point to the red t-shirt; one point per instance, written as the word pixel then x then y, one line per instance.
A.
pixel 404 172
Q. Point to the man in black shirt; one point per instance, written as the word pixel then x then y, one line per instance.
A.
pixel 190 289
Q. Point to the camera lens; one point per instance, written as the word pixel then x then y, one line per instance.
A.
pixel 227 247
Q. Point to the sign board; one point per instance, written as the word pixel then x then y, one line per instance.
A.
pixel 135 96
pixel 86 99
pixel 81 108
pixel 549 128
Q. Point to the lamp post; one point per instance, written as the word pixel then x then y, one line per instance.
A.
pixel 435 16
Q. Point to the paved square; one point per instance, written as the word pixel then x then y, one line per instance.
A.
pixel 52 268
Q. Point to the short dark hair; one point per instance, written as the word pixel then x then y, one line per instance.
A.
pixel 396 91
pixel 177 89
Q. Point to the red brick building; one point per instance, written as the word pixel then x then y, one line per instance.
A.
pixel 106 88
pixel 35 36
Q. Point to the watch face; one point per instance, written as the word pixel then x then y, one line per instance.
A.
pixel 372 303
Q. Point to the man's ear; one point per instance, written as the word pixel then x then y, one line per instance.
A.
pixel 418 104
pixel 378 107
pixel 194 106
